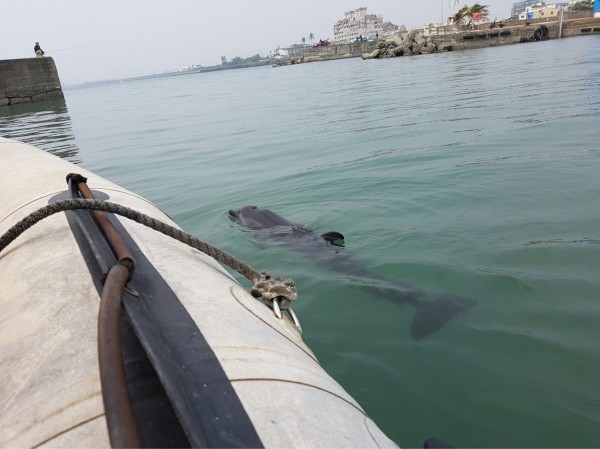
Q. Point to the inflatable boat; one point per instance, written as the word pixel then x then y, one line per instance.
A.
pixel 114 334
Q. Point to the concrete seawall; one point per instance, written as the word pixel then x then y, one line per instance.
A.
pixel 28 80
pixel 338 51
pixel 516 34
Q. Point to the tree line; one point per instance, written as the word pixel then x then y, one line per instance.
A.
pixel 238 60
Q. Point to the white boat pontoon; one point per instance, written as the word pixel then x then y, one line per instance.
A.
pixel 112 333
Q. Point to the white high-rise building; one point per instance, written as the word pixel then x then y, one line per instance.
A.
pixel 358 23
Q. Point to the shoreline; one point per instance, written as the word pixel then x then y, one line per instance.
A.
pixel 407 43
pixel 420 41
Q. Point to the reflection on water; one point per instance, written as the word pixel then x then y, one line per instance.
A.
pixel 45 124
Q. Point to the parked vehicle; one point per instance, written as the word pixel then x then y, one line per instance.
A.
pixel 323 43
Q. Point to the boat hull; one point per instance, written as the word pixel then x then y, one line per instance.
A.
pixel 49 374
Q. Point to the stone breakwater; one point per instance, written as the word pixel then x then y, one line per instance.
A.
pixel 28 80
pixel 404 44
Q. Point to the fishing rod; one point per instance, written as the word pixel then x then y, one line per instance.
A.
pixel 63 49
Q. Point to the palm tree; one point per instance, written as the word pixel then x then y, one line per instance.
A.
pixel 477 10
pixel 311 37
pixel 458 18
pixel 303 40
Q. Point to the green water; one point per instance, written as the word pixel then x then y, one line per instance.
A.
pixel 475 174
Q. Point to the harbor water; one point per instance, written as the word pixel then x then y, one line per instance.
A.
pixel 474 174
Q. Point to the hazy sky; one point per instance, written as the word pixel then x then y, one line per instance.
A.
pixel 119 39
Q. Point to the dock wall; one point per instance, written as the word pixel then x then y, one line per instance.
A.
pixel 517 34
pixel 492 37
pixel 339 51
pixel 28 80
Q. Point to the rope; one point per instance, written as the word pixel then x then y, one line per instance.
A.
pixel 264 284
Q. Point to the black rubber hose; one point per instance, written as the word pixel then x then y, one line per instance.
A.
pixel 122 428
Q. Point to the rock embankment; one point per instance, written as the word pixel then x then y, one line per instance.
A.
pixel 404 44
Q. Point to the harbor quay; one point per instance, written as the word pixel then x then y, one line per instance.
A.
pixel 28 80
pixel 441 39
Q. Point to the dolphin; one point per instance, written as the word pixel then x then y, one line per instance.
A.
pixel 430 315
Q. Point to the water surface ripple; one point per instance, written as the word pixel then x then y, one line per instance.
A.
pixel 468 173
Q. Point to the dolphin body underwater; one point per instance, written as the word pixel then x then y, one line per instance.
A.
pixel 430 316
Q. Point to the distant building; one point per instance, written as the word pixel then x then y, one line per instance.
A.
pixel 539 12
pixel 389 28
pixel 359 23
pixel 279 53
pixel 297 49
pixel 521 7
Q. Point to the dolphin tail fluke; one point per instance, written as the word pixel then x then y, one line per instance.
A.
pixel 333 237
pixel 431 316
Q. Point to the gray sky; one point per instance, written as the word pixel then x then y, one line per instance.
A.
pixel 136 37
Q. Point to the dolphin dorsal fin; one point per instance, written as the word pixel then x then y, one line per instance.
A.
pixel 333 237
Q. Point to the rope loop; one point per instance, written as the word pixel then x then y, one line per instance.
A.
pixel 277 292
pixel 270 288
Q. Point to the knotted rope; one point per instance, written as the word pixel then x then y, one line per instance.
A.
pixel 271 288
pixel 265 285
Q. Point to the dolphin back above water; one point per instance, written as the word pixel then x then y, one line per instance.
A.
pixel 429 316
pixel 257 218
